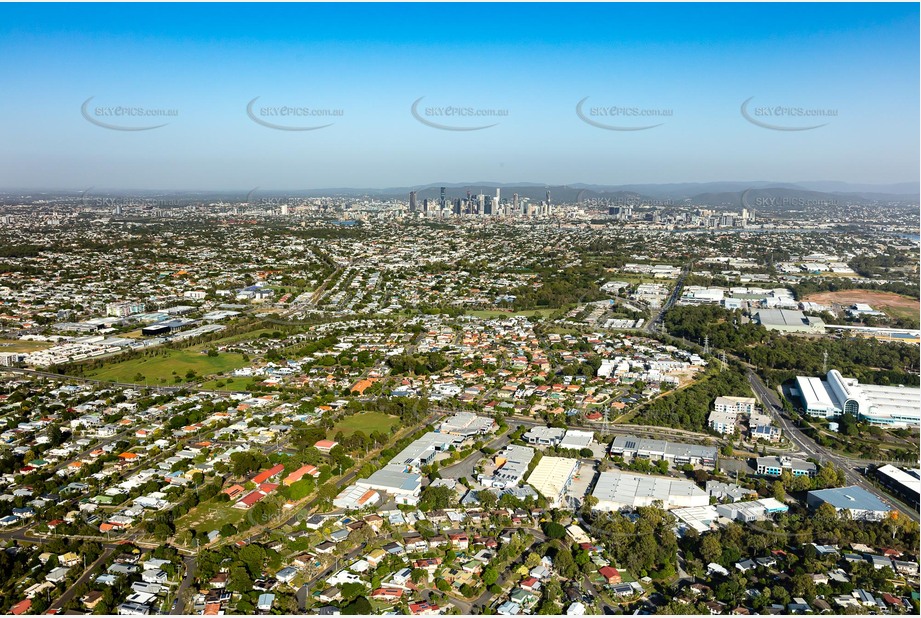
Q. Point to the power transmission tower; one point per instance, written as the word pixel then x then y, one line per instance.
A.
pixel 722 360
pixel 706 344
pixel 825 361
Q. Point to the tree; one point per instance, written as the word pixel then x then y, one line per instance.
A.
pixel 240 581
pixel 778 491
pixel 358 607
pixel 710 548
pixel 419 576
pixel 565 565
pixel 487 499
pixel 490 576
pixel 554 530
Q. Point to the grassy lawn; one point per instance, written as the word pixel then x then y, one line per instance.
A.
pixel 157 368
pixel 210 515
pixel 16 345
pixel 253 334
pixel 230 384
pixel 490 313
pixel 366 422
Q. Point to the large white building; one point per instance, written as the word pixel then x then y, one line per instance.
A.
pixel 787 321
pixel 858 501
pixel 552 477
pixel 890 406
pixel 738 405
pixel 467 425
pixel 621 490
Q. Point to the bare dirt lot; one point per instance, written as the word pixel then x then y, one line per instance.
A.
pixel 893 304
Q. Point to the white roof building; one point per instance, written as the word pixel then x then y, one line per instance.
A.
pixel 552 476
pixel 621 490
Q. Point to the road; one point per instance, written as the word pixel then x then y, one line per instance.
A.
pixel 191 567
pixel 465 468
pixel 672 299
pixel 771 403
pixel 65 598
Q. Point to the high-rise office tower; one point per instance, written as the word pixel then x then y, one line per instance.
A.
pixel 425 205
pixel 498 194
pixel 412 201
pixel 442 202
pixel 548 197
pixel 457 206
pixel 515 209
pixel 495 205
pixel 481 204
pixel 284 210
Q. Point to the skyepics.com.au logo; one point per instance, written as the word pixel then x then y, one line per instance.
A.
pixel 785 117
pixel 620 117
pixel 763 200
pixel 118 202
pixel 265 200
pixel 125 117
pixel 455 117
pixel 291 117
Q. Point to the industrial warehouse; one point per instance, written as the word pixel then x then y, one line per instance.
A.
pixel 621 490
pixel 676 453
pixel 888 406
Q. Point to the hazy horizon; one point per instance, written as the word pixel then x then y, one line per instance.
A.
pixel 324 96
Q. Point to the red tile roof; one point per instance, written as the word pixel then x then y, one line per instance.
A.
pixel 267 474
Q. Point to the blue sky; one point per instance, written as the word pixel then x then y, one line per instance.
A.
pixel 700 62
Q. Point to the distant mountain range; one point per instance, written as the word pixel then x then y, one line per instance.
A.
pixel 704 193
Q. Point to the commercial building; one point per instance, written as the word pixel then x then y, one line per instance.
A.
pixel 124 309
pixel 621 490
pixel 552 477
pixel 905 484
pixel 722 422
pixel 422 451
pixel 700 518
pixel 858 501
pixel 774 466
pixel 511 466
pixel 788 321
pixel 405 487
pixel 356 497
pixel 467 425
pixel 888 406
pixel 737 405
pixel 755 510
pixel 577 439
pixel 676 453
pixel 544 436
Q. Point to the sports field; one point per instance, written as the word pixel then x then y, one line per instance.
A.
pixel 365 422
pixel 22 347
pixel 159 369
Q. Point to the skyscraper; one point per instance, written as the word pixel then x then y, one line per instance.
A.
pixel 412 201
pixel 515 208
pixel 442 202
